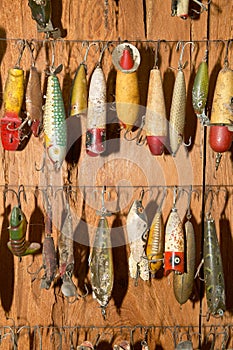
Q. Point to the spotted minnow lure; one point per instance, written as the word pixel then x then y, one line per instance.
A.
pixel 200 91
pixel 137 226
pixel 34 101
pixel 183 283
pixel 174 243
pixel 213 271
pixel 17 229
pixel 101 265
pixel 55 121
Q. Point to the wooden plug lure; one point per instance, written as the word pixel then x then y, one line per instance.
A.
pixel 17 232
pixel 155 241
pixel 155 121
pixel 178 107
pixel 221 132
pixel 213 270
pixel 101 262
pixel 137 226
pixel 183 283
pixel 48 252
pixel 126 59
pixel 180 8
pixel 54 121
pixel 174 242
pixel 13 95
pixel 97 112
pixel 34 98
pixel 200 91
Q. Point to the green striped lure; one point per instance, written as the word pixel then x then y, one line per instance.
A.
pixel 55 120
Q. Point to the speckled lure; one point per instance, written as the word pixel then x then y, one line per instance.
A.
pixel 54 121
pixel 174 242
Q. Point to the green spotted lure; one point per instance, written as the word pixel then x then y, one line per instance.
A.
pixel 213 270
pixel 55 120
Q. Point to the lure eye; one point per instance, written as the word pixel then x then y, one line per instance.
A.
pixel 176 260
pixel 19 217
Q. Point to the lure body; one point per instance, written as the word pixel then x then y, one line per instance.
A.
pixel 177 114
pixel 101 265
pixel 200 91
pixel 155 244
pixel 137 225
pixel 126 59
pixel 86 345
pixel 66 256
pixel 18 227
pixel 183 283
pixel 174 244
pixel 41 11
pixel 34 101
pixel 222 112
pixel 96 114
pixel 182 8
pixel 49 262
pixel 55 123
pixel 12 103
pixel 79 92
pixel 155 122
pixel 213 271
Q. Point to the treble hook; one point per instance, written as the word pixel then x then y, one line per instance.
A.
pixel 162 200
pixel 203 7
pixel 189 193
pixel 101 53
pixel 21 46
pixel 226 62
pixel 213 340
pixel 88 46
pixel 156 66
pixel 208 213
pixel 140 139
pixel 182 65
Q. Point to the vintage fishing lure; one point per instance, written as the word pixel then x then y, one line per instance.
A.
pixel 155 241
pixel 183 283
pixel 174 242
pixel 213 270
pixel 200 91
pixel 48 252
pixel 13 95
pixel 96 113
pixel 123 345
pixel 155 121
pixel 137 226
pixel 66 255
pixel 55 120
pixel 180 8
pixel 178 107
pixel 34 101
pixel 221 131
pixel 126 59
pixel 101 262
pixel 86 345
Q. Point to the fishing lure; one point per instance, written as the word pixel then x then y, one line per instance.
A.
pixel 66 255
pixel 34 98
pixel 136 226
pixel 213 270
pixel 221 132
pixel 86 345
pixel 13 95
pixel 178 107
pixel 183 283
pixel 155 121
pixel 78 100
pixel 55 120
pixel 97 111
pixel 101 262
pixel 174 242
pixel 126 59
pixel 48 252
pixel 17 232
pixel 123 345
pixel 180 8
pixel 200 91
pixel 155 241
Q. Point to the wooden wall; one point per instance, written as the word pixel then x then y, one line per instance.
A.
pixel 125 170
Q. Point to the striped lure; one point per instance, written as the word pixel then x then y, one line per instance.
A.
pixel 54 121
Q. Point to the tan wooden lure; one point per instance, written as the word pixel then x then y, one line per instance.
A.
pixel 126 59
